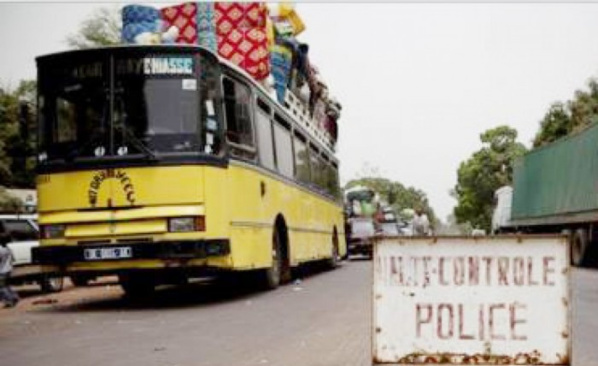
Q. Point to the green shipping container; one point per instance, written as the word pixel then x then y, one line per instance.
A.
pixel 558 183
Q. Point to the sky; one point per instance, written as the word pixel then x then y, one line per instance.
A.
pixel 419 82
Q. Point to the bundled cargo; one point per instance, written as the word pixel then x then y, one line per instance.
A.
pixel 184 17
pixel 144 25
pixel 259 39
pixel 242 36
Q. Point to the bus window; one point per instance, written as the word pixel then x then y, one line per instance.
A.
pixel 211 110
pixel 239 133
pixel 326 174
pixel 284 147
pixel 158 111
pixel 334 183
pixel 66 123
pixel 74 108
pixel 264 139
pixel 316 171
pixel 301 159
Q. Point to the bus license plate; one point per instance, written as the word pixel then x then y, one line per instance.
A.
pixel 107 253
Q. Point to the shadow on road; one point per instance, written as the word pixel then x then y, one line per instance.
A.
pixel 205 292
pixel 359 258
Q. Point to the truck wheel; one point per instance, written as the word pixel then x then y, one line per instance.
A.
pixel 579 246
pixel 51 284
pixel 136 285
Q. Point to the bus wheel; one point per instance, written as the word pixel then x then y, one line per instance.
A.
pixel 136 285
pixel 51 284
pixel 80 280
pixel 271 277
pixel 579 245
pixel 279 272
pixel 334 259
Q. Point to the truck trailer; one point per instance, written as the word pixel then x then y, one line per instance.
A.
pixel 555 190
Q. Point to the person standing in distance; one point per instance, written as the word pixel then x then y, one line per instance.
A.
pixel 421 224
pixel 7 295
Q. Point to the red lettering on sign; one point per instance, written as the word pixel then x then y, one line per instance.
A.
pixel 519 271
pixel 547 270
pixel 514 320
pixel 427 271
pixel 441 278
pixel 503 269
pixel 474 271
pixel 419 319
pixel 488 261
pixel 457 321
pixel 461 317
pixel 459 271
pixel 491 321
pixel 530 272
pixel 448 315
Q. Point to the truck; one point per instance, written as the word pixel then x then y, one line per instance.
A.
pixel 555 190
pixel 361 205
pixel 366 217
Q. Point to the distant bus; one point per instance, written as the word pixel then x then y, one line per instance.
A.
pixel 160 163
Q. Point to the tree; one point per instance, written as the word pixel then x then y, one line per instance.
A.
pixel 556 123
pixel 562 119
pixel 102 28
pixel 396 194
pixel 17 135
pixel 483 173
pixel 584 106
pixel 451 227
pixel 9 203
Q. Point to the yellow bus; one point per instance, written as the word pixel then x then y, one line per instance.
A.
pixel 161 163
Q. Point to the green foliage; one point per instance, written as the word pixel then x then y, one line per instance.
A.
pixel 564 119
pixel 483 173
pixel 9 203
pixel 17 136
pixel 396 195
pixel 555 124
pixel 102 28
pixel 451 227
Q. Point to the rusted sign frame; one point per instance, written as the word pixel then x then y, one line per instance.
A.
pixel 486 358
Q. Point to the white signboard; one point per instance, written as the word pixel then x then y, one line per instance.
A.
pixel 483 300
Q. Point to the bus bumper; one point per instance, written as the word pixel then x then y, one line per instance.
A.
pixel 164 250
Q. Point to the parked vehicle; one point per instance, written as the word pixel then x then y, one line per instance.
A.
pixel 23 232
pixel 390 229
pixel 158 183
pixel 361 236
pixel 554 191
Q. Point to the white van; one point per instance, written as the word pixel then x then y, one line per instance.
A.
pixel 24 235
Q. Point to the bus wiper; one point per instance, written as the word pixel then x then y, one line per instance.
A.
pixel 137 143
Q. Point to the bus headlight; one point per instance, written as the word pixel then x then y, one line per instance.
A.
pixel 53 231
pixel 186 224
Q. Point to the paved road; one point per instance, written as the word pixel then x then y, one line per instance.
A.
pixel 324 320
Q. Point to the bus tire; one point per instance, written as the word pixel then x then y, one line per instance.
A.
pixel 270 278
pixel 51 284
pixel 579 246
pixel 334 259
pixel 136 285
pixel 80 281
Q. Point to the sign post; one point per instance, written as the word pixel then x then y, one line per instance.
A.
pixel 471 300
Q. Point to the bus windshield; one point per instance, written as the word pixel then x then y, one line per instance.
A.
pixel 134 105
